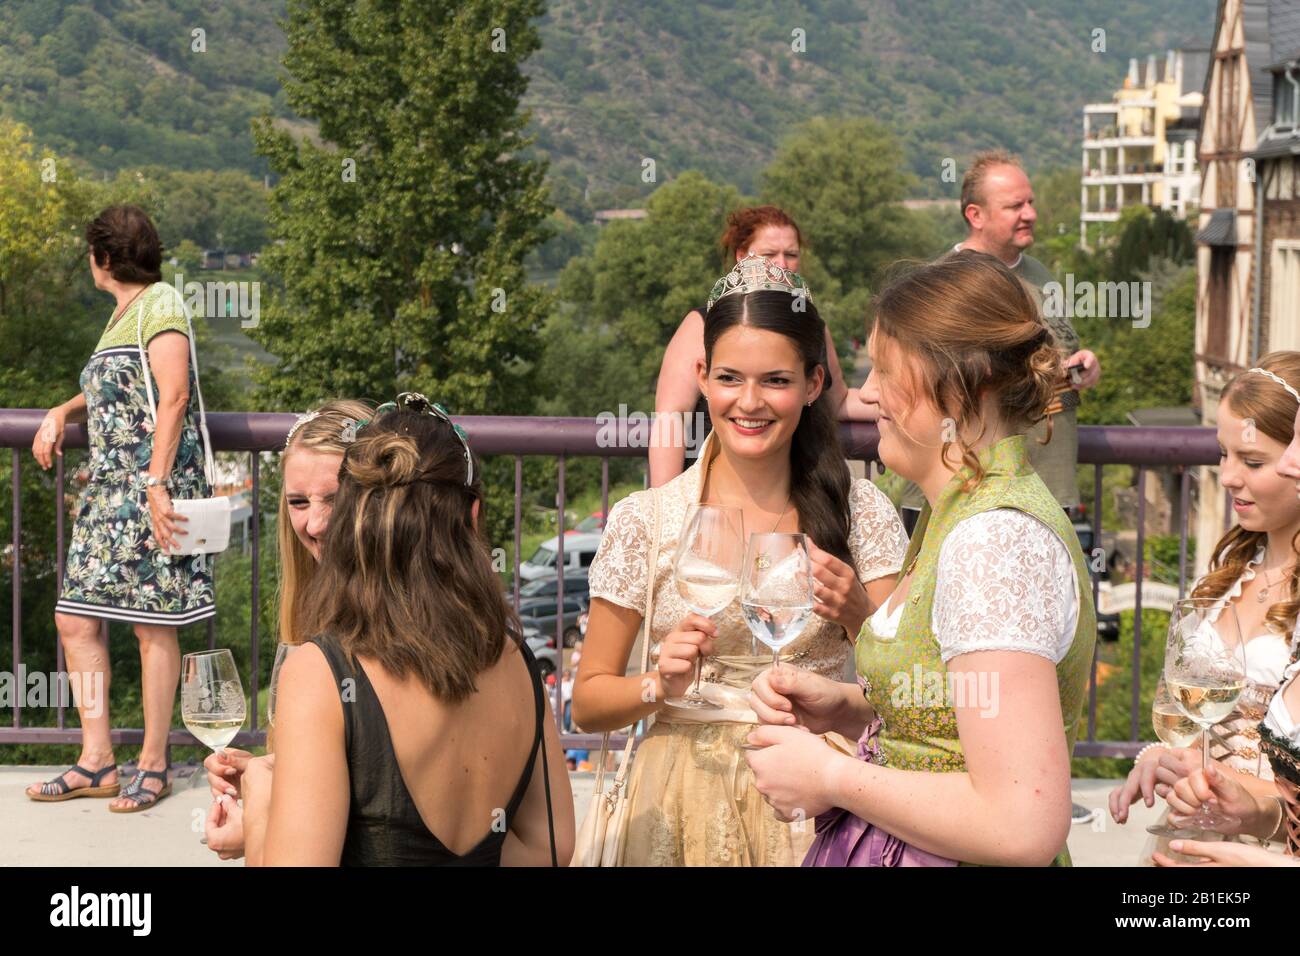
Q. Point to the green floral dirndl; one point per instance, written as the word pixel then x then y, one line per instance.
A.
pixel 114 568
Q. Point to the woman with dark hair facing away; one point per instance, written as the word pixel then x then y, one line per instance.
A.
pixel 775 455
pixel 767 232
pixel 972 675
pixel 411 728
pixel 119 567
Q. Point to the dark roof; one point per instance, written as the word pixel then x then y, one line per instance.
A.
pixel 1221 230
pixel 1275 146
pixel 1272 32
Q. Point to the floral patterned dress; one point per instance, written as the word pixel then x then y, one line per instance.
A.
pixel 115 569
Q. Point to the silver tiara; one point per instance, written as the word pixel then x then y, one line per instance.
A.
pixel 757 274
pixel 302 420
pixel 1281 381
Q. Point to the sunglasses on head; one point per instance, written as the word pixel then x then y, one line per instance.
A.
pixel 415 402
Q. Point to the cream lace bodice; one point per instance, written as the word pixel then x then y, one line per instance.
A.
pixel 618 573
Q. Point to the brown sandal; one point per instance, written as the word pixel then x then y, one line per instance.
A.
pixel 57 790
pixel 142 799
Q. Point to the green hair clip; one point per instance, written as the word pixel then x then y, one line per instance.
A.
pixel 414 401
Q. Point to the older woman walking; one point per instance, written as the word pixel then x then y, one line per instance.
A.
pixel 118 567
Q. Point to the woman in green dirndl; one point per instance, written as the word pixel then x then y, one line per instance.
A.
pixel 972 676
pixel 117 567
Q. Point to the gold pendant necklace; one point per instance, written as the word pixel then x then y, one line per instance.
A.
pixel 763 562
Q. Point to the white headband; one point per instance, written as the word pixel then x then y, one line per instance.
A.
pixel 1263 371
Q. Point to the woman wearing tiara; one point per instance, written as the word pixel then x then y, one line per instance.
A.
pixel 767 232
pixel 1254 569
pixel 774 454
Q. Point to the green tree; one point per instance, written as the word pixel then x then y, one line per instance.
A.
pixel 403 231
pixel 843 181
pixel 633 290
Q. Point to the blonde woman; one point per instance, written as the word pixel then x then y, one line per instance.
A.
pixel 309 469
pixel 1264 816
pixel 1254 569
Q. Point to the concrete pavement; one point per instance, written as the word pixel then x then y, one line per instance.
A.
pixel 83 833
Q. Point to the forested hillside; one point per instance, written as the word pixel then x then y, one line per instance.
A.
pixel 706 84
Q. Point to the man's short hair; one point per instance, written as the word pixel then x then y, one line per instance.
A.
pixel 972 184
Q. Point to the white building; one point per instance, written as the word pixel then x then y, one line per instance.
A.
pixel 1140 148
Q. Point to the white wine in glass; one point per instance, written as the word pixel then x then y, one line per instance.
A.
pixel 776 589
pixel 1205 672
pixel 212 697
pixel 1176 729
pixel 706 570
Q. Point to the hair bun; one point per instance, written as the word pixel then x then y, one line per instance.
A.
pixel 1047 374
pixel 384 460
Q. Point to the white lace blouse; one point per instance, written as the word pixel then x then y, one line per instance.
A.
pixel 618 574
pixel 1005 582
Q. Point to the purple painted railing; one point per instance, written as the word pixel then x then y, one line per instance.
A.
pixel 565 438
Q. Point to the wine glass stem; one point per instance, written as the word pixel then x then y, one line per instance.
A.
pixel 695 688
pixel 776 659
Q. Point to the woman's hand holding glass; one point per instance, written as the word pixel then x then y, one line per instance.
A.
pixel 1151 777
pixel 691 641
pixel 789 696
pixel 223 830
pixel 226 772
pixel 838 595
pixel 1220 789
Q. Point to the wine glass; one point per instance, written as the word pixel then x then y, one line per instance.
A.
pixel 706 570
pixel 1205 671
pixel 1176 729
pixel 776 589
pixel 282 651
pixel 212 697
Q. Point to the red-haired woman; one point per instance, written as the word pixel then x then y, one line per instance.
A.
pixel 765 231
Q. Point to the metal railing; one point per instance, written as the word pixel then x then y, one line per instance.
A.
pixel 564 439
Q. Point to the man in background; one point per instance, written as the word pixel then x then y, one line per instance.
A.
pixel 997 205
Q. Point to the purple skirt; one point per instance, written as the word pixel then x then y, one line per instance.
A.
pixel 846 840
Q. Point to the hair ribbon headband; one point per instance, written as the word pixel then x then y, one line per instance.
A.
pixel 1281 381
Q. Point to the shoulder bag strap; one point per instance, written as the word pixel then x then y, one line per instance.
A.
pixel 209 468
pixel 646 639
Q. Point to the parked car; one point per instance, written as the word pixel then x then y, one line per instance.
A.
pixel 575 585
pixel 579 551
pixel 543 648
pixel 540 613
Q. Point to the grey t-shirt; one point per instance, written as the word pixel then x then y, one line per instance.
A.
pixel 1055 461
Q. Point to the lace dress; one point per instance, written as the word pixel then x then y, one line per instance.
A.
pixel 1234 741
pixel 692 796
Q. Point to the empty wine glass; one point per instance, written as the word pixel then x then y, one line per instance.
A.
pixel 706 570
pixel 776 589
pixel 1205 671
pixel 212 697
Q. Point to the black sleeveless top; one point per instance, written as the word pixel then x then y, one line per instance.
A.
pixel 384 825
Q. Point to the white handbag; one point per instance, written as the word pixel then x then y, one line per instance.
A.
pixel 207 530
pixel 603 834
